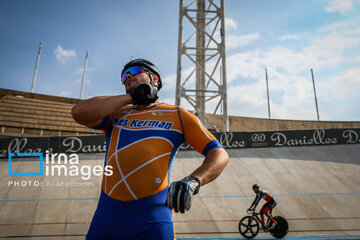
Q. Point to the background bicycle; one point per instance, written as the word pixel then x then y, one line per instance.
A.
pixel 249 226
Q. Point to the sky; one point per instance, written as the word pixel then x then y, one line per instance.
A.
pixel 286 37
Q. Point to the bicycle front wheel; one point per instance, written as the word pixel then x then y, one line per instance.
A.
pixel 248 227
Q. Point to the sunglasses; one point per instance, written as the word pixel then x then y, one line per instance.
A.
pixel 134 70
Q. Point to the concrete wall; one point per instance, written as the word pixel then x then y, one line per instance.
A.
pixel 263 124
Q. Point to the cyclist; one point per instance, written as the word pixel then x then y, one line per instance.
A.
pixel 266 208
pixel 142 141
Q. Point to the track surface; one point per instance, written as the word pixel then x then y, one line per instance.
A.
pixel 317 190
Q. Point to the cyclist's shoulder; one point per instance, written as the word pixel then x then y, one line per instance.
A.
pixel 265 192
pixel 174 108
pixel 166 106
pixel 155 107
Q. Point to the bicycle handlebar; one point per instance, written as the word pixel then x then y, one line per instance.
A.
pixel 250 211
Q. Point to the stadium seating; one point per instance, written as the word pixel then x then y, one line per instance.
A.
pixel 30 114
pixel 26 114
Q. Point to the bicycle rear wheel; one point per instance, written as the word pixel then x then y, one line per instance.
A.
pixel 281 228
pixel 248 227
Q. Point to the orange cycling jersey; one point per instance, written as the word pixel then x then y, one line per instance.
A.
pixel 141 144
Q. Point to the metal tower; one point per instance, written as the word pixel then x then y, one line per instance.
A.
pixel 201 68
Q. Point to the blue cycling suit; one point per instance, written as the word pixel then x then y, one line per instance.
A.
pixel 141 145
pixel 146 218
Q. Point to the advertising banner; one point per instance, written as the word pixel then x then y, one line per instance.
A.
pixel 230 140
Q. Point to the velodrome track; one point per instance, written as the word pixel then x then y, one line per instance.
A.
pixel 317 189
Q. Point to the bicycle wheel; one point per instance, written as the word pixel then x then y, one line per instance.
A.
pixel 248 227
pixel 281 228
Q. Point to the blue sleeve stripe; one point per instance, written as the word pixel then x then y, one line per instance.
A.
pixel 211 145
pixel 182 126
pixel 103 123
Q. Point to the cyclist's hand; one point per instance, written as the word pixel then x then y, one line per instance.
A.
pixel 180 193
pixel 250 210
pixel 143 94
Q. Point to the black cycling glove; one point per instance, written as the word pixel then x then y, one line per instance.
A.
pixel 144 94
pixel 181 192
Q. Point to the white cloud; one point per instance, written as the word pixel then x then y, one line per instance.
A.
pixel 329 49
pixel 233 41
pixel 355 59
pixel 334 26
pixel 355 31
pixel 290 96
pixel 345 84
pixel 324 51
pixel 169 82
pixel 230 24
pixel 63 55
pixel 291 90
pixel 290 37
pixel 341 6
pixel 244 65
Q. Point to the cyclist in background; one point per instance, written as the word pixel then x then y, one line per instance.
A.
pixel 266 208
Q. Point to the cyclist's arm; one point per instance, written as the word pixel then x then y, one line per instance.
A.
pixel 205 143
pixel 213 164
pixel 91 112
pixel 256 201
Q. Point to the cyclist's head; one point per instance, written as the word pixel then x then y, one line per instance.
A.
pixel 140 65
pixel 255 187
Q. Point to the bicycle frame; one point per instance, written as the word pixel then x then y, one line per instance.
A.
pixel 256 215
